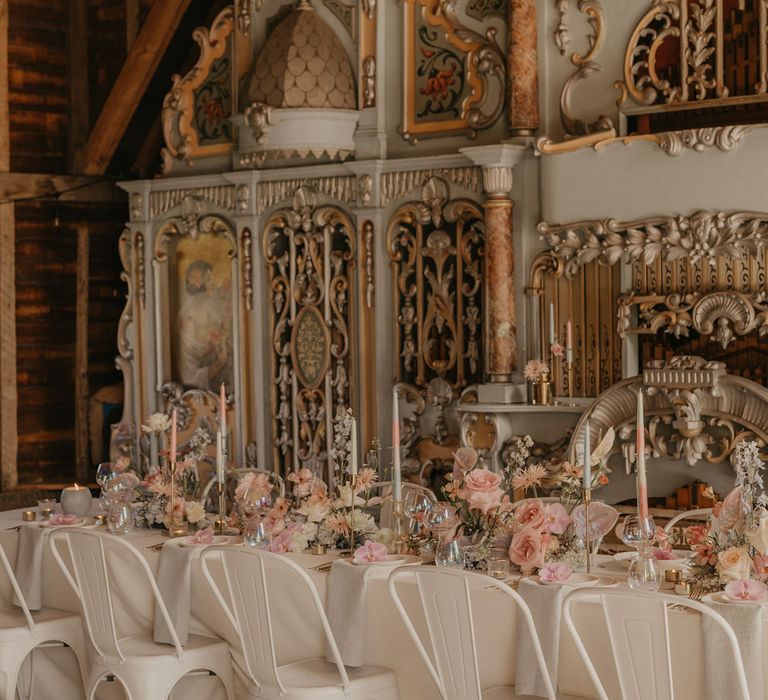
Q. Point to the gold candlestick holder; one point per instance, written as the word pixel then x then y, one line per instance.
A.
pixel 399 541
pixel 569 373
pixel 587 537
pixel 221 522
pixel 176 528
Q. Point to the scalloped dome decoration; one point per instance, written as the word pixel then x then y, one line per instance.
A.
pixel 303 64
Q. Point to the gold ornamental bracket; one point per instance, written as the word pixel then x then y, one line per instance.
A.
pixel 721 315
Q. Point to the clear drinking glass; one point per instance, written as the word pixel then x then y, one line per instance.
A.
pixel 644 573
pixel 255 502
pixel 120 518
pixel 255 534
pixel 449 554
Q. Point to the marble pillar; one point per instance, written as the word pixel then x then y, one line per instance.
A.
pixel 522 67
pixel 501 324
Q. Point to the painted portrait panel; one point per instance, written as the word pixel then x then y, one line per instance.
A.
pixel 201 312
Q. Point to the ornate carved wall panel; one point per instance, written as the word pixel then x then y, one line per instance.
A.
pixel 311 258
pixel 436 248
pixel 454 78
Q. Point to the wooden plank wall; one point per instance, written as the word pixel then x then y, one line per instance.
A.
pixel 46 255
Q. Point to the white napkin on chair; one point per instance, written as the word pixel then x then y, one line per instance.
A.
pixel 746 621
pixel 346 610
pixel 29 565
pixel 546 604
pixel 174 580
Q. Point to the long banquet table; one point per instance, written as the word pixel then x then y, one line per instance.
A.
pixel 52 673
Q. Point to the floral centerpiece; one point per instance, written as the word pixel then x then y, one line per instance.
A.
pixel 733 544
pixel 155 504
pixel 536 372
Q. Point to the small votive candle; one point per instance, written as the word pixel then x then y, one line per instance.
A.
pixel 318 549
pixel 76 500
pixel 100 519
pixel 28 516
pixel 673 575
pixel 683 588
pixel 45 513
pixel 498 567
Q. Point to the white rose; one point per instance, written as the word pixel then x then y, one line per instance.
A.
pixel 758 537
pixel 733 564
pixel 310 531
pixel 157 423
pixel 195 511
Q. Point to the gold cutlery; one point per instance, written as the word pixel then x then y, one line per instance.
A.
pixel 696 592
pixel 15 527
pixel 155 547
pixel 322 567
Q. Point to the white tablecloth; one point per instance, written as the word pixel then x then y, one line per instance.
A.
pixel 386 642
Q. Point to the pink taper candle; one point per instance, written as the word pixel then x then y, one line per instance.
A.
pixel 174 437
pixel 642 482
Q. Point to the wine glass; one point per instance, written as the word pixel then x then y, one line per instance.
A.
pixel 441 517
pixel 639 533
pixel 255 502
pixel 104 472
pixel 417 507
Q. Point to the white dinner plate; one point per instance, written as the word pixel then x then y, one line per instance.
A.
pixel 721 597
pixel 219 539
pixel 680 559
pixel 78 523
pixel 391 560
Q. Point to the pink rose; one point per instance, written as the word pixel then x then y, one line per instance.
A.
pixel 527 549
pixel 531 514
pixel 481 481
pixel 370 552
pixel 556 519
pixel 485 501
pixel 555 572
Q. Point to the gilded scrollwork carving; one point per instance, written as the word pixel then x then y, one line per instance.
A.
pixel 220 196
pixel 180 130
pixel 721 315
pixel 246 239
pixel 243 10
pixel 126 317
pixel 694 411
pixel 453 77
pixel 369 81
pixel 137 206
pixel 585 66
pixel 397 184
pixel 701 236
pixel 140 269
pixel 562 34
pixel 369 7
pixel 365 190
pixel 370 269
pixel 439 300
pixel 343 188
pixel 310 255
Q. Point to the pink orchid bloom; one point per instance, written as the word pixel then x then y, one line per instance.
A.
pixel 555 572
pixel 370 552
pixel 202 536
pixel 746 590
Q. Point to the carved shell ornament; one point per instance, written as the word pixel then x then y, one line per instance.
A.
pixel 434 196
pixel 720 314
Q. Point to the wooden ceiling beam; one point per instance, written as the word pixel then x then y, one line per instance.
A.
pixel 77 82
pixel 137 71
pixel 21 186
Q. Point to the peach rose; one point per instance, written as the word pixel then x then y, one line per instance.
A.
pixel 734 564
pixel 695 534
pixel 527 549
pixel 481 481
pixel 531 514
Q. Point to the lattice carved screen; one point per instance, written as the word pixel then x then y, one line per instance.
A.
pixel 310 255
pixel 589 300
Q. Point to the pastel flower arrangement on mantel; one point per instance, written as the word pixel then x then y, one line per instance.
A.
pixel 733 545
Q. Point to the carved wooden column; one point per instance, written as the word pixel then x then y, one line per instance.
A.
pixel 523 68
pixel 500 324
pixel 500 314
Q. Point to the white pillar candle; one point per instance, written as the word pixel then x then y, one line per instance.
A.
pixel 174 437
pixel 76 500
pixel 587 475
pixel 397 488
pixel 642 482
pixel 223 411
pixel 219 457
pixel 353 449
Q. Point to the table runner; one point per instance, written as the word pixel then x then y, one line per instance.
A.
pixel 346 610
pixel 174 580
pixel 746 621
pixel 546 604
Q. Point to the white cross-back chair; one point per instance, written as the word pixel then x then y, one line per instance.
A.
pixel 638 630
pixel 22 630
pixel 147 670
pixel 696 513
pixel 446 606
pixel 256 585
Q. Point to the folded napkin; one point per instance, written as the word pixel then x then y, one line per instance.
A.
pixel 346 610
pixel 29 565
pixel 174 580
pixel 746 621
pixel 546 604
